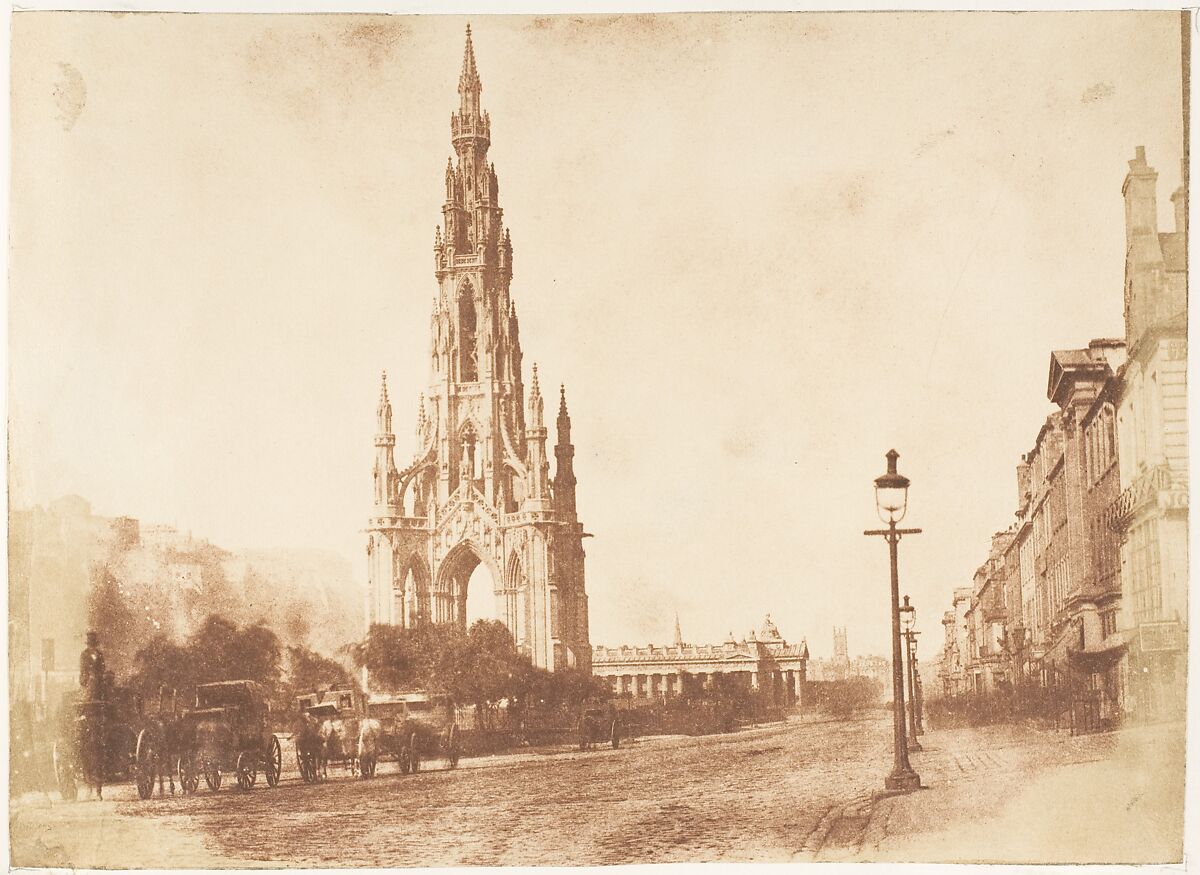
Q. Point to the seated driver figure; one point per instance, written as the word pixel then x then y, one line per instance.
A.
pixel 91 668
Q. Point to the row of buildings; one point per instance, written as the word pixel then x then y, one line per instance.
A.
pixel 1085 594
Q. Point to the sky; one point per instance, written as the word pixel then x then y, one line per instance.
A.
pixel 760 250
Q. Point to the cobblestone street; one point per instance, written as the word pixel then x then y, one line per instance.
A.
pixel 756 795
pixel 795 791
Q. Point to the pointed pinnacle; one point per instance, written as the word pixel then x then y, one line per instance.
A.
pixel 534 388
pixel 562 399
pixel 470 75
pixel 383 395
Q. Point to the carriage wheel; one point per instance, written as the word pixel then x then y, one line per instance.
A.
pixel 144 764
pixel 64 774
pixel 189 776
pixel 247 774
pixel 274 766
pixel 615 735
pixel 308 767
pixel 452 747
pixel 405 762
pixel 414 758
pixel 212 776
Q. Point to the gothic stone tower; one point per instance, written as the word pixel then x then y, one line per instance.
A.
pixel 479 488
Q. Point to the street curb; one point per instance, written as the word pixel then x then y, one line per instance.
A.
pixel 814 842
pixel 816 838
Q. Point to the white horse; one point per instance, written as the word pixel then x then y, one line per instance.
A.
pixel 368 746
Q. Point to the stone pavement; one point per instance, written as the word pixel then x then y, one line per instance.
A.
pixel 752 796
pixel 1018 795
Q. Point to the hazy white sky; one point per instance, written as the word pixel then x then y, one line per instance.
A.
pixel 759 249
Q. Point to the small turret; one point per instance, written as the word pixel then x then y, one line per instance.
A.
pixel 564 453
pixel 383 412
pixel 384 470
pixel 535 443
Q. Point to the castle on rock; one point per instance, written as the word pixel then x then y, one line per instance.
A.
pixel 478 489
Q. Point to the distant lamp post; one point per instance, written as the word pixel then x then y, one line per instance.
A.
pixel 908 622
pixel 891 501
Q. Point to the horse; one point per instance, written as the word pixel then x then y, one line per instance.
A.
pixel 309 746
pixel 91 744
pixel 160 745
pixel 331 746
pixel 369 731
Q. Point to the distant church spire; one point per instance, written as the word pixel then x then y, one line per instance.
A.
pixel 678 633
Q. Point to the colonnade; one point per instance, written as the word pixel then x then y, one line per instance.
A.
pixel 786 685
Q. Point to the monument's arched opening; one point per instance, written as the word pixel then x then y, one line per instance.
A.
pixel 466 588
pixel 481 595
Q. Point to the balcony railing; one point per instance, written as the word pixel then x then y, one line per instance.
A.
pixel 1145 489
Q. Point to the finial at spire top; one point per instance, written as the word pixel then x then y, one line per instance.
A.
pixel 470 75
pixel 383 395
pixel 562 399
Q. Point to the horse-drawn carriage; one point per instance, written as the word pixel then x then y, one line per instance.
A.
pixel 95 741
pixel 598 725
pixel 327 732
pixel 413 727
pixel 228 732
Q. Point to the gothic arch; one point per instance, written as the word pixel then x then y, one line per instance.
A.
pixel 410 590
pixel 449 597
pixel 515 587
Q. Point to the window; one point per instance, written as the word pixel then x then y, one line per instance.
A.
pixel 1145 584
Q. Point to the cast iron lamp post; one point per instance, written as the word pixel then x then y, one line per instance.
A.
pixel 908 622
pixel 891 500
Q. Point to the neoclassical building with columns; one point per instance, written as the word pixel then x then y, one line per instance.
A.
pixel 765 661
pixel 478 489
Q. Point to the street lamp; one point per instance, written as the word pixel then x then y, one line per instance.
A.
pixel 908 622
pixel 891 503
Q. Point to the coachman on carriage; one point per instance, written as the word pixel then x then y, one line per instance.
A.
pixel 95 736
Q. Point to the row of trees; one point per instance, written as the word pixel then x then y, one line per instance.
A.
pixel 480 666
pixel 220 650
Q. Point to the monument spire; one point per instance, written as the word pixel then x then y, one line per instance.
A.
pixel 478 423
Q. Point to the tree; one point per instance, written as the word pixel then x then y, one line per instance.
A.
pixel 389 654
pixel 308 671
pixel 163 663
pixel 110 615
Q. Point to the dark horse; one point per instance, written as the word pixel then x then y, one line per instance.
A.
pixel 91 745
pixel 310 747
pixel 159 747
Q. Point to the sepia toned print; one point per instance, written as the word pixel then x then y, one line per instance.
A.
pixel 656 504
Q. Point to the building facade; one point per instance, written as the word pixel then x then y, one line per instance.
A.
pixel 478 489
pixel 764 661
pixel 1094 570
pixel 1150 514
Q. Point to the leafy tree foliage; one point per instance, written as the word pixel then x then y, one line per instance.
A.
pixel 481 666
pixel 308 671
pixel 218 650
pixel 845 697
